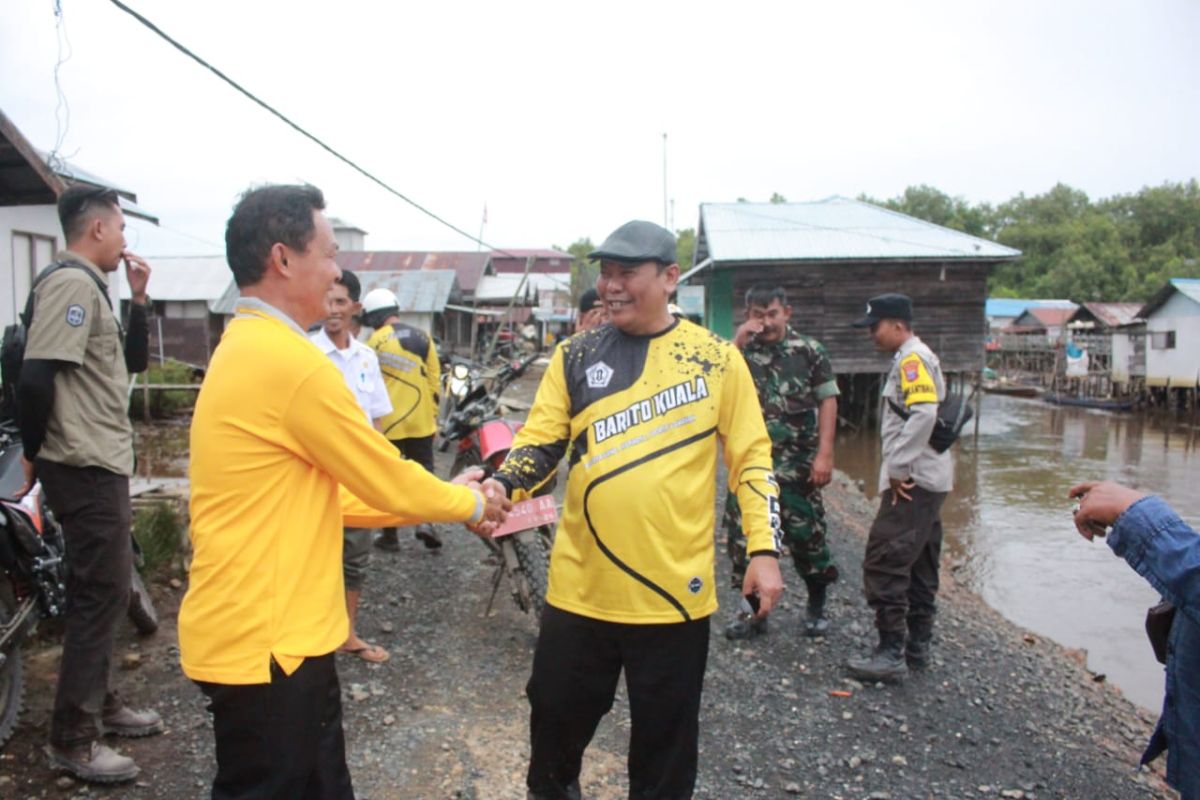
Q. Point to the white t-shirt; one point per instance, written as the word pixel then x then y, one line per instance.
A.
pixel 360 368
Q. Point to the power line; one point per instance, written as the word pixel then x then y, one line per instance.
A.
pixel 300 130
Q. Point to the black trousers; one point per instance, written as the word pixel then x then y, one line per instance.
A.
pixel 281 740
pixel 92 505
pixel 575 670
pixel 900 567
pixel 418 449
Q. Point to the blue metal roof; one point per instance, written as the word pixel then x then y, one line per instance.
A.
pixel 1188 286
pixel 1015 307
pixel 834 228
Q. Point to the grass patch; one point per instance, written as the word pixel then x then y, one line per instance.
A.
pixel 158 531
pixel 164 403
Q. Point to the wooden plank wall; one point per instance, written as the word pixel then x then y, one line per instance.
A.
pixel 948 302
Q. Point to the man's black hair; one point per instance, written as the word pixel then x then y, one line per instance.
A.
pixel 264 217
pixel 353 287
pixel 761 294
pixel 77 204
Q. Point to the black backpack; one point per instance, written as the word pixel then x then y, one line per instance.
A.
pixel 953 414
pixel 12 348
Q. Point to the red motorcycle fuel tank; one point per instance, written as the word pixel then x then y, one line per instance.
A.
pixel 496 438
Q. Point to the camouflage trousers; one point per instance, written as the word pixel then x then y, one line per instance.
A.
pixel 802 514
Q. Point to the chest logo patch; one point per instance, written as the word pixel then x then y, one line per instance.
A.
pixel 695 585
pixel 75 315
pixel 598 375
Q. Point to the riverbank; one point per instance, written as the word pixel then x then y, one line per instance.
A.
pixel 1001 714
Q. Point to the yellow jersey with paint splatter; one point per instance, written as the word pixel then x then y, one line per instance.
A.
pixel 411 372
pixel 646 417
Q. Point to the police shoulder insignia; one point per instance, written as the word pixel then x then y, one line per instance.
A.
pixel 915 381
pixel 75 315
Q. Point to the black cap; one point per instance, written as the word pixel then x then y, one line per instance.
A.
pixel 588 300
pixel 636 242
pixel 886 306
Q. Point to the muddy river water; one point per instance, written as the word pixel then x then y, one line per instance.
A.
pixel 1008 523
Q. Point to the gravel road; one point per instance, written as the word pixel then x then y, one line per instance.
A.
pixel 1000 714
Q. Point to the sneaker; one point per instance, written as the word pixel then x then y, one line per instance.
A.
pixel 746 628
pixel 428 537
pixel 131 724
pixel 388 540
pixel 92 763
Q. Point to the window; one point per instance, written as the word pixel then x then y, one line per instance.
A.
pixel 31 252
pixel 1162 340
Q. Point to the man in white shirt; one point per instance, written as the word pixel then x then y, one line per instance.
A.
pixel 360 368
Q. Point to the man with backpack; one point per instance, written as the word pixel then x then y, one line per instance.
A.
pixel 74 420
pixel 900 568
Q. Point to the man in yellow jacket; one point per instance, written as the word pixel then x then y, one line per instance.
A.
pixel 281 458
pixel 647 403
pixel 412 374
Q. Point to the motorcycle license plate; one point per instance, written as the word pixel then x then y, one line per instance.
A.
pixel 529 514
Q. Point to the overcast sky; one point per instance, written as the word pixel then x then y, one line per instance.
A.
pixel 553 113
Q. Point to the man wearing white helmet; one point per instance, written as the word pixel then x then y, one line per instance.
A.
pixel 411 372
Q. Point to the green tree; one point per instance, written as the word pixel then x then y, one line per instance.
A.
pixel 583 271
pixel 777 198
pixel 685 248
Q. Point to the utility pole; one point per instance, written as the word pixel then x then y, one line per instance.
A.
pixel 666 220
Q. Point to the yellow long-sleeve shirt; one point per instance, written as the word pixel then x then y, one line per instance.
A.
pixel 412 373
pixel 643 415
pixel 281 458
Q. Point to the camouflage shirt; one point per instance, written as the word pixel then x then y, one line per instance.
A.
pixel 792 377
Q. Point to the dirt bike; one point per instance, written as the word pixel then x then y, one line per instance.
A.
pixel 483 438
pixel 33 575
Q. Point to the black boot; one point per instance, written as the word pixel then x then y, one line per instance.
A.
pixel 916 650
pixel 428 536
pixel 886 662
pixel 816 623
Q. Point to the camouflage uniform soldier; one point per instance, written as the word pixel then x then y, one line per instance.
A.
pixel 798 393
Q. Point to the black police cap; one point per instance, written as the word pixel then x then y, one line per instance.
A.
pixel 636 242
pixel 886 306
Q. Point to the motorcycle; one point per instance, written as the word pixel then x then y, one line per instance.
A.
pixel 33 575
pixel 522 545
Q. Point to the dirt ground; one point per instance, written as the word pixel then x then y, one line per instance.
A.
pixel 1000 714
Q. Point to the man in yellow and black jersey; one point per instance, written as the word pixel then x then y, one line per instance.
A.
pixel 645 401
pixel 411 373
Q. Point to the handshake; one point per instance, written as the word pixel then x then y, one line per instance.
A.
pixel 496 504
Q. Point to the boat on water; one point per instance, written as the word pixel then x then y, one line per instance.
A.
pixel 1011 389
pixel 1104 404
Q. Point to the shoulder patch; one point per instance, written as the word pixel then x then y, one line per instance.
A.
pixel 598 375
pixel 75 315
pixel 915 381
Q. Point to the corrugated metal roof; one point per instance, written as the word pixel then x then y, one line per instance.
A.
pixel 226 304
pixel 1014 307
pixel 1188 287
pixel 417 292
pixel 1044 317
pixel 470 267
pixel 185 278
pixel 73 173
pixel 495 288
pixel 1113 314
pixel 421 292
pixel 546 261
pixel 830 229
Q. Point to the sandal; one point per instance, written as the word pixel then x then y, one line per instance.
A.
pixel 371 653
